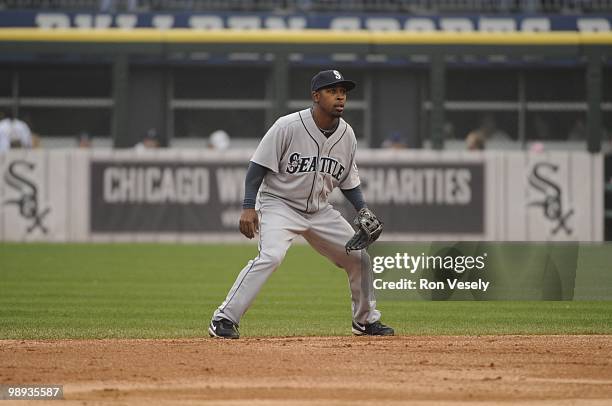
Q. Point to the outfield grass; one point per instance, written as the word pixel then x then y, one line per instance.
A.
pixel 51 291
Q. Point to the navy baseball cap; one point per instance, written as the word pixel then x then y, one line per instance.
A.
pixel 329 78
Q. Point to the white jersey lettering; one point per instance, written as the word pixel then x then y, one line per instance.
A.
pixel 305 166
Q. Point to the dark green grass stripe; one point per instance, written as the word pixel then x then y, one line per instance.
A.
pixel 50 291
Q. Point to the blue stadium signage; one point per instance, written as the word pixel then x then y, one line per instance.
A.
pixel 467 23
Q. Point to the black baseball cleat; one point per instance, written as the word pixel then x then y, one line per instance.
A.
pixel 223 329
pixel 374 329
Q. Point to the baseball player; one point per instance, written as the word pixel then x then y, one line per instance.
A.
pixel 297 164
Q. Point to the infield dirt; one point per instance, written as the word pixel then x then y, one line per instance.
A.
pixel 421 370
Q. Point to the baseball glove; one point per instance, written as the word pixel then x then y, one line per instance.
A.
pixel 367 230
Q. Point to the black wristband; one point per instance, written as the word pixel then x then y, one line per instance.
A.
pixel 355 196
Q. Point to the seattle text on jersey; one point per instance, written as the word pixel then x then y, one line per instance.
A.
pixel 301 164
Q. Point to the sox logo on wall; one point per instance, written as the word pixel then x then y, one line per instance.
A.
pixel 28 202
pixel 551 201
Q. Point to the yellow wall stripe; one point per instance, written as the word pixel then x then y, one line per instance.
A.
pixel 150 35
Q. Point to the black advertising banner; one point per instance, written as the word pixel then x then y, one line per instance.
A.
pixel 160 196
pixel 425 197
pixel 193 197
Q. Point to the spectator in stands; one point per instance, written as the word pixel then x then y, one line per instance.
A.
pixel 83 140
pixel 542 128
pixel 537 147
pixel 394 141
pixel 488 131
pixel 150 140
pixel 14 133
pixel 578 131
pixel 607 142
pixel 219 140
pixel 475 141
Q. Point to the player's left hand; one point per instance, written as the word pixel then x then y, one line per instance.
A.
pixel 249 223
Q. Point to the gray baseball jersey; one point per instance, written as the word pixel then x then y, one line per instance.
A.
pixel 305 165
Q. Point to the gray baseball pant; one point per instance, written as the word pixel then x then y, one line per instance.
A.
pixel 327 232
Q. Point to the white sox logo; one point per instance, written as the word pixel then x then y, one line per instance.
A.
pixel 303 164
pixel 28 201
pixel 337 75
pixel 552 202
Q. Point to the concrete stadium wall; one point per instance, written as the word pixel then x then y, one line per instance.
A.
pixel 182 195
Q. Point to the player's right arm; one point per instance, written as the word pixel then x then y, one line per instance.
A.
pixel 266 158
pixel 249 222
